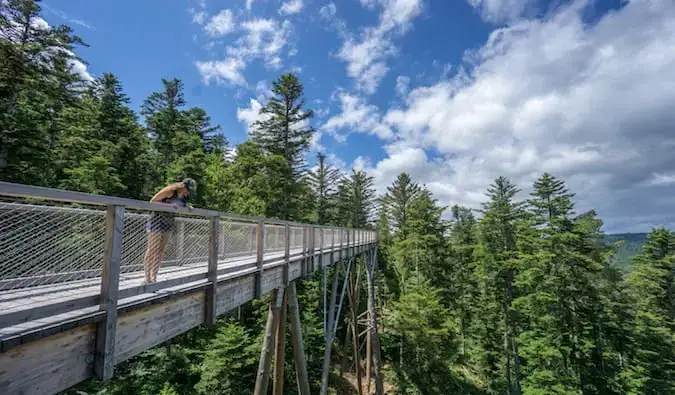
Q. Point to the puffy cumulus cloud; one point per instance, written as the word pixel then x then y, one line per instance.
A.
pixel 222 71
pixel 220 24
pixel 590 104
pixel 402 84
pixel 366 55
pixel 291 7
pixel 356 115
pixel 497 11
pixel 263 39
pixel 251 114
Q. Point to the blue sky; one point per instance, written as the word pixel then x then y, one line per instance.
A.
pixel 455 92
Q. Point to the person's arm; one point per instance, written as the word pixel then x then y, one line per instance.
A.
pixel 166 192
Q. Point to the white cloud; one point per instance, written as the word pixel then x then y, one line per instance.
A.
pixel 366 55
pixel 222 71
pixel 590 104
pixel 249 3
pixel 328 11
pixel 262 39
pixel 402 84
pixel 661 179
pixel 356 115
pixel 497 11
pixel 291 7
pixel 220 24
pixel 199 17
pixel 251 114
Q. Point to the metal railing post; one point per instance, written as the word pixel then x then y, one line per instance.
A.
pixel 332 246
pixel 321 262
pixel 180 240
pixel 104 357
pixel 287 253
pixel 260 253
pixel 211 289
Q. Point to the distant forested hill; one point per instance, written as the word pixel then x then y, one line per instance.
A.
pixel 632 244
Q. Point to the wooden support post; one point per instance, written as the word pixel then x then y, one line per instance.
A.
pixel 104 357
pixel 260 254
pixel 287 253
pixel 262 378
pixel 279 351
pixel 296 338
pixel 210 314
pixel 328 334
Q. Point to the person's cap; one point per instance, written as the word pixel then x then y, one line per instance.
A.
pixel 190 184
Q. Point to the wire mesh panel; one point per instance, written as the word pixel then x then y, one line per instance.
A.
pixel 237 239
pixel 44 244
pixel 275 238
pixel 317 238
pixel 163 239
pixel 296 233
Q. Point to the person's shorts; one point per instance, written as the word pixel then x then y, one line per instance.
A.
pixel 160 222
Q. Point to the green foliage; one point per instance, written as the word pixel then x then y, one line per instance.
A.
pixel 284 132
pixel 229 362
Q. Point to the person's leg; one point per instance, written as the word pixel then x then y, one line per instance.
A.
pixel 163 238
pixel 152 253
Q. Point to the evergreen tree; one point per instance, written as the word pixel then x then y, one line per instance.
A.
pixel 164 119
pixel 499 261
pixel 397 200
pixel 323 182
pixel 651 368
pixel 36 84
pixel 355 200
pixel 285 132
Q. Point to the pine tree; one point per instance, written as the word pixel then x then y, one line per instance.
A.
pixel 119 125
pixel 164 119
pixel 355 200
pixel 651 368
pixel 461 271
pixel 285 132
pixel 499 260
pixel 36 84
pixel 323 181
pixel 397 200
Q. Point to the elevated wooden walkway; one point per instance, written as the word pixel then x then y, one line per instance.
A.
pixel 73 302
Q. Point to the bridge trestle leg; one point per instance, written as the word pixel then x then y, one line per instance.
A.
pixel 262 378
pixel 296 338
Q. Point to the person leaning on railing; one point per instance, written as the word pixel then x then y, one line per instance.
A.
pixel 160 224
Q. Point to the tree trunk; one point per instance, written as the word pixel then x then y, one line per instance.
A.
pixel 379 389
pixel 279 352
pixel 514 337
pixel 262 378
pixel 296 338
